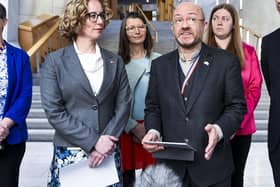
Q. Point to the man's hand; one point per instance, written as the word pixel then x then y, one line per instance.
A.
pixel 213 139
pixel 151 136
pixel 106 145
pixel 95 159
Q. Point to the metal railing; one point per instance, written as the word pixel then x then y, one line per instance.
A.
pixel 251 37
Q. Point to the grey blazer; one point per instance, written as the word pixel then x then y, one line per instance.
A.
pixel 77 115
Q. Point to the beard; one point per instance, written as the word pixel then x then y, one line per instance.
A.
pixel 191 45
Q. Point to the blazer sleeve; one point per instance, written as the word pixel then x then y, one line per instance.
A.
pixel 74 130
pixel 123 104
pixel 21 99
pixel 152 110
pixel 234 102
pixel 264 63
pixel 253 91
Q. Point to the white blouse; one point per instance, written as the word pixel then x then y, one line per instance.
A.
pixel 92 64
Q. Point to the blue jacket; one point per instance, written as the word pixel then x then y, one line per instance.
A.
pixel 19 93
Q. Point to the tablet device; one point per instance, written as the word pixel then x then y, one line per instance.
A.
pixel 184 145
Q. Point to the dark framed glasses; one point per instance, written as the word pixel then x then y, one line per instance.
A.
pixel 93 16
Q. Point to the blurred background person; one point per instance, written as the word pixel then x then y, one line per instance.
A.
pixel 85 92
pixel 270 58
pixel 135 47
pixel 15 102
pixel 224 32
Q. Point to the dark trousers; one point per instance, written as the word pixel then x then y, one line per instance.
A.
pixel 128 178
pixel 187 182
pixel 10 159
pixel 240 149
pixel 274 157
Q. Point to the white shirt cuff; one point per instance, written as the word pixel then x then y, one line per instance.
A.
pixel 219 131
pixel 155 132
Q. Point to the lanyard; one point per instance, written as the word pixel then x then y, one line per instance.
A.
pixel 189 74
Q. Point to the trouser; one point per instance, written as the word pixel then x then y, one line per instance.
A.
pixel 274 157
pixel 129 178
pixel 10 160
pixel 187 182
pixel 240 148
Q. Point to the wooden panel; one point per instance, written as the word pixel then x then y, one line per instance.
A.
pixel 32 30
pixel 164 9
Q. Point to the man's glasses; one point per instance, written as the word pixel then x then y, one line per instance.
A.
pixel 93 16
pixel 133 28
pixel 190 20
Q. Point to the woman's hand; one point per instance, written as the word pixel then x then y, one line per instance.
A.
pixel 4 132
pixel 95 159
pixel 5 126
pixel 106 145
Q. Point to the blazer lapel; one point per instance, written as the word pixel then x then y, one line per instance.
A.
pixel 110 68
pixel 74 69
pixel 199 77
pixel 173 75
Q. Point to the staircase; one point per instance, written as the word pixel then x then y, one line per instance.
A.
pixel 38 127
pixel 40 130
pixel 261 116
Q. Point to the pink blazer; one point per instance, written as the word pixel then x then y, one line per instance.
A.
pixel 252 83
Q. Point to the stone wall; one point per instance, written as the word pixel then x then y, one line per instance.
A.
pixel 31 8
pixel 261 16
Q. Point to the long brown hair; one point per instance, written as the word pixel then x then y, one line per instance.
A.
pixel 235 44
pixel 124 50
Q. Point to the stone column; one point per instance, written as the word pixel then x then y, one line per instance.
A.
pixel 10 33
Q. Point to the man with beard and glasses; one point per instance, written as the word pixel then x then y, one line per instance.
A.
pixel 270 58
pixel 195 93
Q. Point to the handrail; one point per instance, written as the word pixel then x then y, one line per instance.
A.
pixel 42 40
pixel 170 11
pixel 257 35
pixel 37 22
pixel 147 20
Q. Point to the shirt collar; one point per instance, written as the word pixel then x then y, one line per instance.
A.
pixel 97 53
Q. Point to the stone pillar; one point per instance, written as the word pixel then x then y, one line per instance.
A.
pixel 10 33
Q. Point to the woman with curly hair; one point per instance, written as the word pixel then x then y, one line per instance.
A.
pixel 85 92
